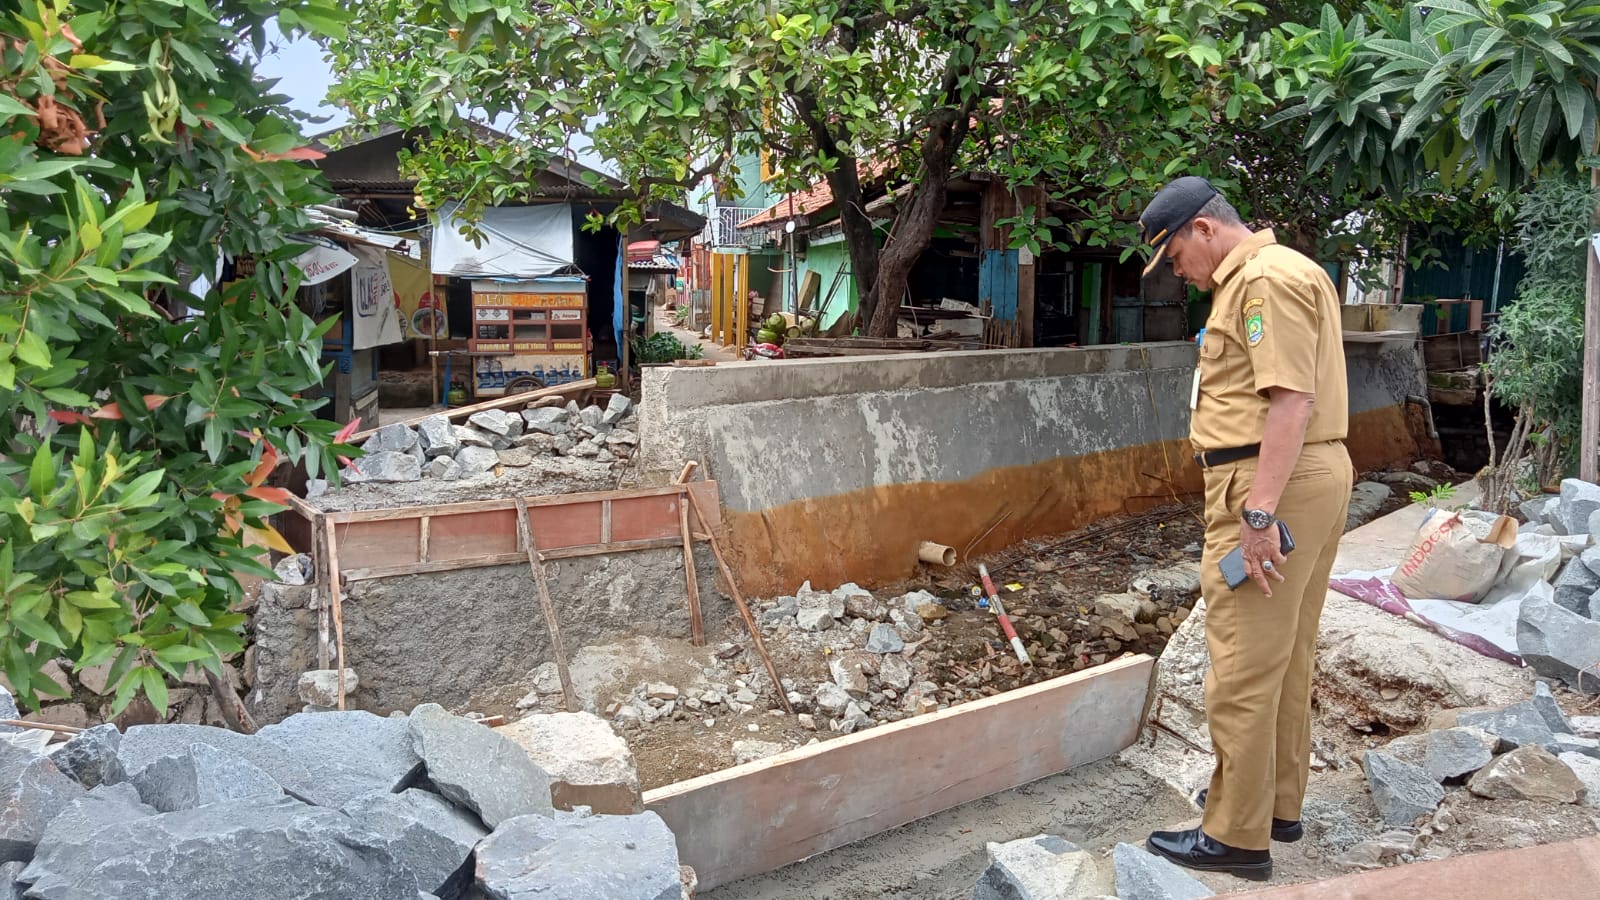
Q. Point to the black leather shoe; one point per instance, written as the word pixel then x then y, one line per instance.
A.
pixel 1194 849
pixel 1284 831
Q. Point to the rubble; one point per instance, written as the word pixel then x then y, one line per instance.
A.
pixel 587 763
pixel 1402 791
pixel 1527 773
pixel 1144 876
pixel 750 751
pixel 440 450
pixel 1587 770
pixel 1575 585
pixel 90 757
pixel 1043 867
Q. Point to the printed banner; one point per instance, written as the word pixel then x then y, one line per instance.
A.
pixel 376 321
pixel 321 263
pixel 422 314
pixel 493 374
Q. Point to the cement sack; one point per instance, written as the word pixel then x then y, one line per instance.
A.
pixel 1456 555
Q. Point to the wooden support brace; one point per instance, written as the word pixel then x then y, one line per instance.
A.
pixel 744 608
pixel 526 533
pixel 697 630
pixel 335 602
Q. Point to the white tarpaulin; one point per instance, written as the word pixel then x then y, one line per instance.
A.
pixel 515 242
pixel 321 263
pixel 376 319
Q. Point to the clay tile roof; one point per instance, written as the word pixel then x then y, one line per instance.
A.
pixel 811 200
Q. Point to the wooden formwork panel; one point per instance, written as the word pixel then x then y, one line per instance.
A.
pixel 384 543
pixel 415 540
pixel 466 535
pixel 766 814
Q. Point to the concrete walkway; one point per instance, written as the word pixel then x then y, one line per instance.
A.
pixel 708 348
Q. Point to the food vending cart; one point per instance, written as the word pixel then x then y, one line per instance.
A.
pixel 528 334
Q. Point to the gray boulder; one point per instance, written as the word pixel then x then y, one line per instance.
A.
pixel 533 418
pixel 429 837
pixel 1594 606
pixel 202 776
pixel 494 421
pixel 32 792
pixel 438 437
pixel 445 468
pixel 1591 558
pixel 1545 703
pixel 143 745
pixel 320 687
pixel 478 768
pixel 1594 525
pixel 1402 791
pixel 390 466
pixel 8 710
pixel 474 460
pixel 580 858
pixel 1142 875
pixel 1575 585
pixel 884 639
pixel 394 438
pixel 1365 500
pixel 351 753
pixel 277 850
pixel 1043 867
pixel 12 887
pixel 617 409
pixel 591 416
pixel 1560 643
pixel 472 437
pixel 1579 501
pixel 1537 510
pixel 1518 725
pixel 90 757
pixel 1458 752
pixel 102 807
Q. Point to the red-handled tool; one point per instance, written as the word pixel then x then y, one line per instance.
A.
pixel 1005 621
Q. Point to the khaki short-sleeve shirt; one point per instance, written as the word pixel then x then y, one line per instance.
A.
pixel 1275 322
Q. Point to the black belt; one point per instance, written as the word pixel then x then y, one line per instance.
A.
pixel 1208 458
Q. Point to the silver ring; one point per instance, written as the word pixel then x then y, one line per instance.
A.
pixel 1267 566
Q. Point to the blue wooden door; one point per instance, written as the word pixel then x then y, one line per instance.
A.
pixel 997 284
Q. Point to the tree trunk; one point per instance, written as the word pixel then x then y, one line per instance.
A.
pixel 913 227
pixel 860 242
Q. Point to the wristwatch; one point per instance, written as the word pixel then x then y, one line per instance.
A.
pixel 1259 519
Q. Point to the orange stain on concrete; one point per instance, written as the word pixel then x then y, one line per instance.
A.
pixel 870 536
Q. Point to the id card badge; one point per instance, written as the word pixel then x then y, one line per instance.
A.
pixel 1194 392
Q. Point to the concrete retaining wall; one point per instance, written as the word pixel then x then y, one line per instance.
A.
pixel 833 470
pixel 468 639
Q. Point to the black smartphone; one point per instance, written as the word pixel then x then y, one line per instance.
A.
pixel 1232 565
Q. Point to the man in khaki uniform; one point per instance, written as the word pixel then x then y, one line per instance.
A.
pixel 1269 416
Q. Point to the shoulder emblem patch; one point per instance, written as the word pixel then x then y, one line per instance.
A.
pixel 1254 326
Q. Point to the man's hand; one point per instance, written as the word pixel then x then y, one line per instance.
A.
pixel 1263 554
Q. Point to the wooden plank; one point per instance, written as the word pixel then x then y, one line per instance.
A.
pixel 412 512
pixel 509 559
pixel 422 542
pixel 462 412
pixel 709 504
pixel 763 815
pixel 605 521
pixel 334 595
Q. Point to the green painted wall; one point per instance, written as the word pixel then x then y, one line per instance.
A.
pixel 827 260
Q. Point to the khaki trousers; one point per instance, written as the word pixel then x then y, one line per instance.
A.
pixel 1263 649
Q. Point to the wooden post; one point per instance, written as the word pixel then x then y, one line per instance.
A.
pixel 335 602
pixel 1026 293
pixel 1589 440
pixel 525 531
pixel 744 608
pixel 697 629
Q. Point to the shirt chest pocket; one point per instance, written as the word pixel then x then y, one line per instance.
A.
pixel 1220 358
